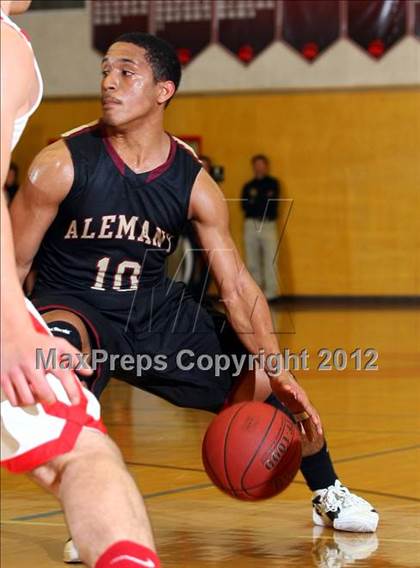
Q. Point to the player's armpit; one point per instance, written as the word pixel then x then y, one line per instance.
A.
pixel 35 205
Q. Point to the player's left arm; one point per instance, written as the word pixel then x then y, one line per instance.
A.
pixel 246 306
pixel 244 301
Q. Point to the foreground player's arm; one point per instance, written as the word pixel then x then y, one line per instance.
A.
pixel 245 304
pixel 35 206
pixel 21 382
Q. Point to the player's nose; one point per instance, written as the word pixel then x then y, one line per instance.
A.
pixel 110 82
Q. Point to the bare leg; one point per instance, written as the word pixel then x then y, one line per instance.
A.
pixel 101 502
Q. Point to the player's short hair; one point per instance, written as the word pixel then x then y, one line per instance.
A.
pixel 262 157
pixel 160 55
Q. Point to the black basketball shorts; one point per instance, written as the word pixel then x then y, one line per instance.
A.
pixel 165 344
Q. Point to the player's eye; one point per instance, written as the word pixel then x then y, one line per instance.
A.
pixel 127 73
pixel 104 72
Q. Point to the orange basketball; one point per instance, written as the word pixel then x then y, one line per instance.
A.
pixel 252 451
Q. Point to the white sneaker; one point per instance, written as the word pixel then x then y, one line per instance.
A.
pixel 336 507
pixel 70 553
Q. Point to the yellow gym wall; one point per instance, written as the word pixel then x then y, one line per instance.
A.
pixel 348 160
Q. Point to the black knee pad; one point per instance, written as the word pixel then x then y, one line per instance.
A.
pixel 100 378
pixel 67 331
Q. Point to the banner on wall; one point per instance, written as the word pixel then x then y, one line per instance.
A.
pixel 245 28
pixel 377 25
pixel 185 24
pixel 111 18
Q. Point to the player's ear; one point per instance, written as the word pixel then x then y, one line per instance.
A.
pixel 166 90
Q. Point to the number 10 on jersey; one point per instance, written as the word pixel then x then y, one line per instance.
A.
pixel 123 267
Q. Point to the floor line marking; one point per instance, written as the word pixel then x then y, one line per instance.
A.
pixel 40 523
pixel 38 515
pixel 339 460
pixel 375 454
pixel 179 490
pixel 283 537
pixel 184 489
pixel 208 485
pixel 164 466
pixel 371 492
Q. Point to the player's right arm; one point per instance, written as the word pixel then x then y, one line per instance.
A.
pixel 21 382
pixel 36 204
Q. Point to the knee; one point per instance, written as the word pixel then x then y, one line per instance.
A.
pixel 47 476
pixel 92 449
pixel 63 323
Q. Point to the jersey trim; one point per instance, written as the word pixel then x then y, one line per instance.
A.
pixel 81 129
pixel 187 147
pixel 154 174
pixel 151 175
pixel 115 157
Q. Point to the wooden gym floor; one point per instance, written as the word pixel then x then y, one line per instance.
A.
pixel 372 421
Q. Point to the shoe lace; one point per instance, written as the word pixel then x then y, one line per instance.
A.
pixel 338 496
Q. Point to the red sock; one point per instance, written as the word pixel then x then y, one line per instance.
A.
pixel 128 554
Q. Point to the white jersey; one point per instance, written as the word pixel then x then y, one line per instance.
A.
pixel 33 435
pixel 20 122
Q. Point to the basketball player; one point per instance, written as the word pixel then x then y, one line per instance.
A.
pixel 104 206
pixel 51 427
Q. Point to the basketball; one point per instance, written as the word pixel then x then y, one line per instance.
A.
pixel 252 451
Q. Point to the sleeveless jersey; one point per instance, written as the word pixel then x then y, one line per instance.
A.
pixel 115 228
pixel 20 123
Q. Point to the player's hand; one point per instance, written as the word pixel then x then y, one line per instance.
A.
pixel 23 383
pixel 292 395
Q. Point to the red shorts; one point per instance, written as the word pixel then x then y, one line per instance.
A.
pixel 34 435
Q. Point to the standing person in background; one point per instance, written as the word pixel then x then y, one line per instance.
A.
pixel 260 205
pixel 11 185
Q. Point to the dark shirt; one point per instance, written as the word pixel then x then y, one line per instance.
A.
pixel 259 198
pixel 115 229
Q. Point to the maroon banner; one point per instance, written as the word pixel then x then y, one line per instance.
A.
pixel 246 27
pixel 310 27
pixel 111 18
pixel 376 25
pixel 186 24
pixel 417 19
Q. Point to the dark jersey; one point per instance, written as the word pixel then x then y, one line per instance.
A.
pixel 115 228
pixel 260 198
